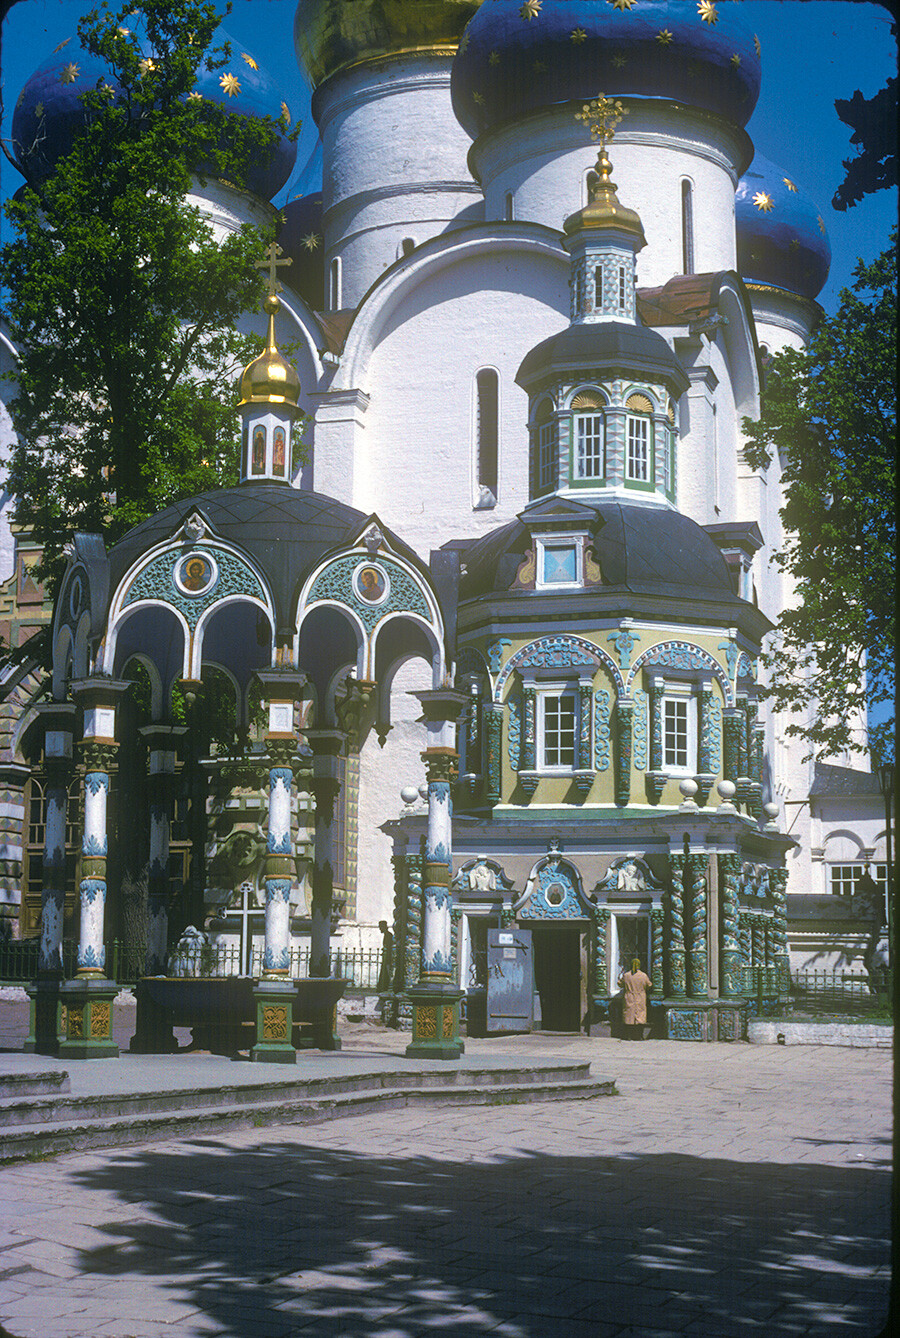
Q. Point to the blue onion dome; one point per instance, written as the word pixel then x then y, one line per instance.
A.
pixel 781 236
pixel 301 238
pixel 520 56
pixel 49 112
pixel 332 34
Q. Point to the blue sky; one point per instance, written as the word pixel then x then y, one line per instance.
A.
pixel 813 51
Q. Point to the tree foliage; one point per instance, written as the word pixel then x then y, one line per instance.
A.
pixel 874 124
pixel 122 304
pixel 829 415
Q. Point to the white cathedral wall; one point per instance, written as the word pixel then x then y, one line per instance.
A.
pixel 414 452
pixel 394 165
pixel 7 443
pixel 543 163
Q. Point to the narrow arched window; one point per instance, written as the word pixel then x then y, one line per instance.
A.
pixel 639 439
pixel 545 448
pixel 407 246
pixel 334 284
pixel 687 227
pixel 622 294
pixel 510 207
pixel 590 457
pixel 487 404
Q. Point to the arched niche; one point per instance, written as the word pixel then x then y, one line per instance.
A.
pixel 155 635
pixel 328 641
pixel 237 638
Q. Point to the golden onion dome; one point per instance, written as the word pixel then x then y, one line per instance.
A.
pixel 330 35
pixel 270 378
pixel 604 210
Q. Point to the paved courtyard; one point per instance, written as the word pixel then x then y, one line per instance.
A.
pixel 727 1190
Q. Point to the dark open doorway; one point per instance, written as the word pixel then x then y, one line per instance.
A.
pixel 560 974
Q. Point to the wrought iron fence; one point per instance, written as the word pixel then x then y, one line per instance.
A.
pixel 125 965
pixel 842 992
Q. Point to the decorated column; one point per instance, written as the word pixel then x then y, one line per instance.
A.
pixel 730 976
pixel 758 930
pixel 624 714
pixel 656 777
pixel 435 999
pixel 695 877
pixel 275 994
pixel 58 720
pixel 777 884
pixel 675 907
pixel 601 969
pixel 327 745
pixel 657 916
pixel 89 997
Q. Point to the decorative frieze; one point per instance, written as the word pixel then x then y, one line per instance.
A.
pixel 624 711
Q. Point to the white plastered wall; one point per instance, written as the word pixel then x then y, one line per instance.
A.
pixel 543 163
pixel 7 442
pixel 394 164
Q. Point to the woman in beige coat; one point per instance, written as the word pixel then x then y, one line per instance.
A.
pixel 636 985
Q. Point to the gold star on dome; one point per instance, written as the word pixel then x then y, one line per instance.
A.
pixel 622 4
pixel 230 85
pixel 790 185
pixel 69 74
pixel 107 88
pixel 708 12
pixel 531 9
pixel 124 32
pixel 821 225
pixel 763 201
pixel 249 60
pixel 735 60
pixel 664 37
pixel 146 66
pixel 540 67
pixel 39 110
pixel 494 58
pixel 195 96
pixel 577 35
pixel 61 45
pixel 478 99
pixel 310 242
pixel 756 43
pixel 285 113
pixel 620 62
pixel 793 244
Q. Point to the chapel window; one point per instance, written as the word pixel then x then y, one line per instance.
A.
pixel 487 387
pixel 545 448
pixel 557 729
pixel 334 284
pixel 590 462
pixel 679 731
pixel 687 227
pixel 638 440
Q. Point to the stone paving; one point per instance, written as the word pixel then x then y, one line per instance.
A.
pixel 728 1190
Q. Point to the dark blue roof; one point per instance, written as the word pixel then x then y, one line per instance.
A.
pixel 781 237
pixel 301 238
pixel 49 112
pixel 509 64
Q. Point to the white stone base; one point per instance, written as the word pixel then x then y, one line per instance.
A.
pixel 777 1031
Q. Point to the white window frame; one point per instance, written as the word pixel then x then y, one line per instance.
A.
pixel 558 541
pixel 622 294
pixel 852 872
pixel 596 416
pixel 689 701
pixel 554 692
pixel 645 423
pixel 547 455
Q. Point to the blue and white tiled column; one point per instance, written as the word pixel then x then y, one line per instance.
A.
pixel 435 999
pixel 276 992
pixel 90 996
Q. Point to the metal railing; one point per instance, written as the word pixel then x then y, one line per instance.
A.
pixel 125 965
pixel 842 992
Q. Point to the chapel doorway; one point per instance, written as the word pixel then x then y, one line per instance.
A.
pixel 560 974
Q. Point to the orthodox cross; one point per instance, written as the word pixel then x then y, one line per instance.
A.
pixel 271 263
pixel 601 116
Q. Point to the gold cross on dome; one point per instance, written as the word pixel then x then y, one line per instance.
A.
pixel 601 116
pixel 271 263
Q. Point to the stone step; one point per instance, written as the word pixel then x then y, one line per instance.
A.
pixel 50 1110
pixel 72 1135
pixel 18 1085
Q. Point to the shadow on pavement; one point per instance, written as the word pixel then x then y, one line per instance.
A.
pixel 281 1238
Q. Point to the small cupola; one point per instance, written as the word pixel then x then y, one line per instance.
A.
pixel 270 397
pixel 604 237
